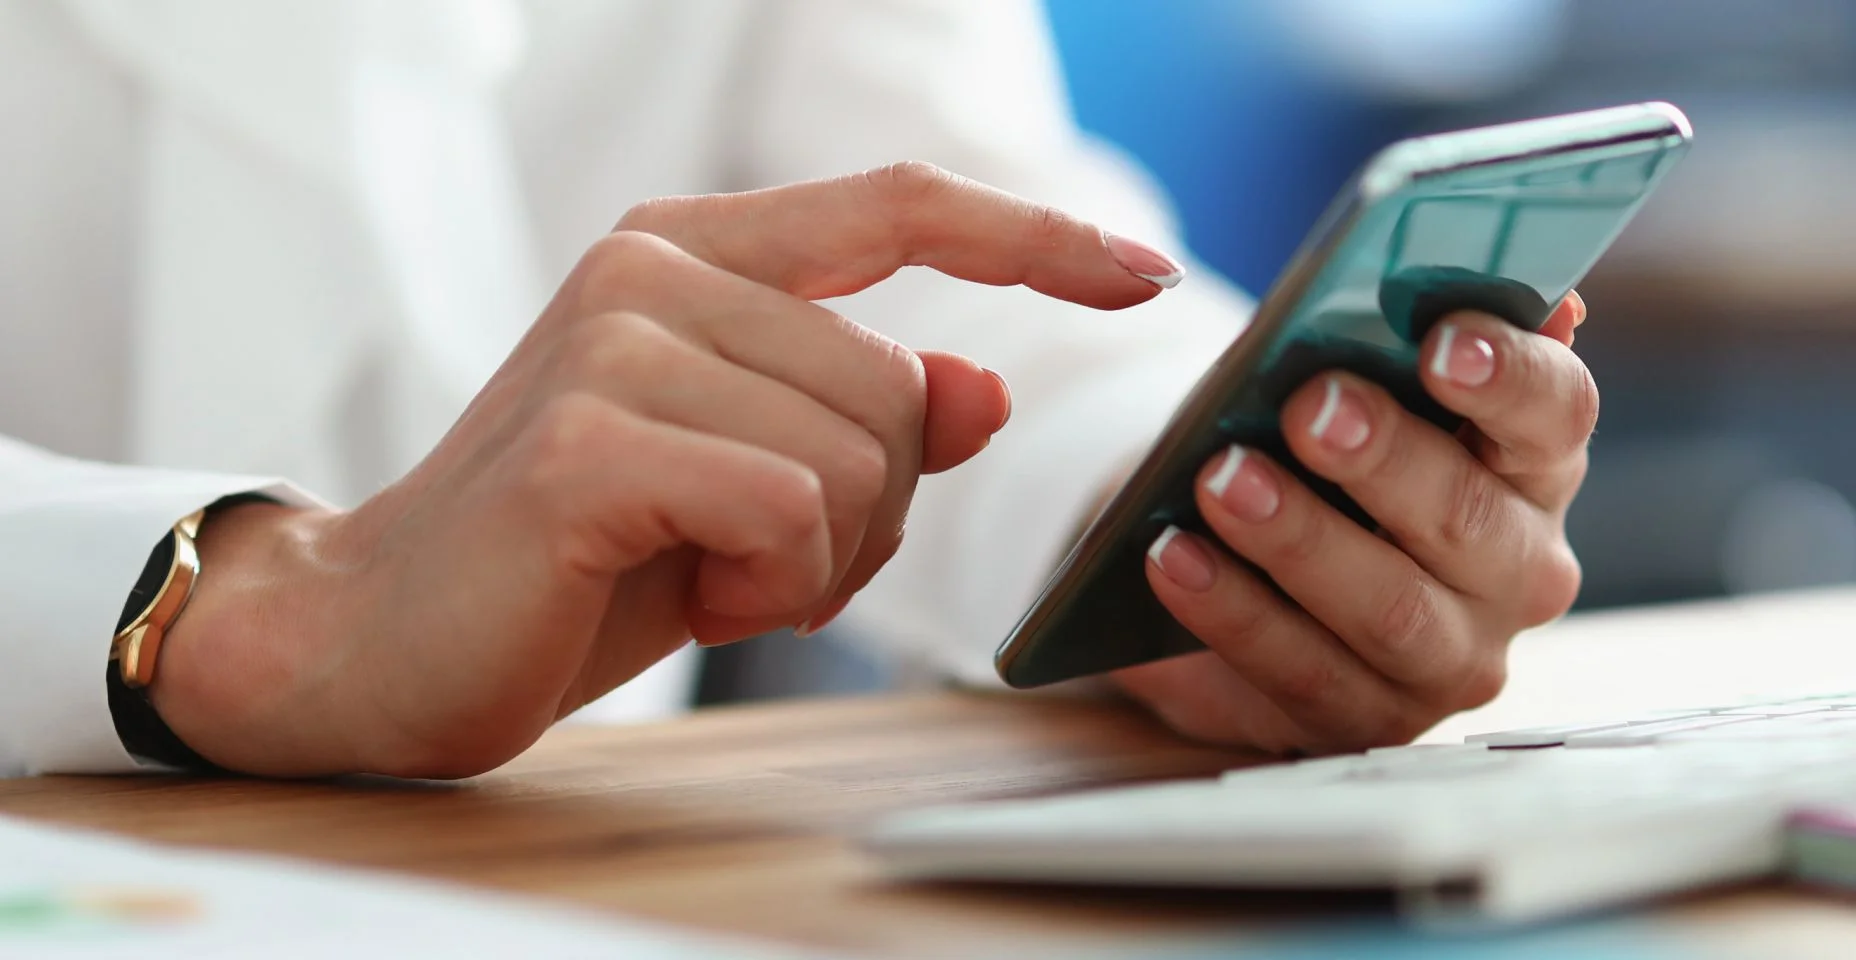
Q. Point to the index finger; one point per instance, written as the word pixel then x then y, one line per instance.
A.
pixel 829 238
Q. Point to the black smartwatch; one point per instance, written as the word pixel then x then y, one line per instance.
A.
pixel 157 600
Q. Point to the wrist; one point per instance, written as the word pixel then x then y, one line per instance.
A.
pixel 241 675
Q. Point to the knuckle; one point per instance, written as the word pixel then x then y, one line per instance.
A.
pixel 1231 626
pixel 1240 625
pixel 1577 467
pixel 1387 457
pixel 628 248
pixel 1408 625
pixel 1520 383
pixel 1306 688
pixel 795 503
pixel 862 472
pixel 606 348
pixel 559 438
pixel 1473 514
pixel 622 260
pixel 1582 411
pixel 905 383
pixel 1304 543
pixel 908 183
pixel 649 216
pixel 1483 683
pixel 1231 622
pixel 1050 225
pixel 1553 587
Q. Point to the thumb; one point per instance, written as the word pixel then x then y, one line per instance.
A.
pixel 967 404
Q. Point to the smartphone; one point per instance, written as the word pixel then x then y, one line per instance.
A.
pixel 1503 219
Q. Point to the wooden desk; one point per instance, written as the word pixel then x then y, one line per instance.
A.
pixel 738 819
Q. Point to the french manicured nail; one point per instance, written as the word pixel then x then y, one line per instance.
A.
pixel 1005 389
pixel 1145 262
pixel 1341 422
pixel 820 619
pixel 1244 486
pixel 1462 358
pixel 1182 560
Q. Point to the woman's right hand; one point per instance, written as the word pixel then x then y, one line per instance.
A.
pixel 683 444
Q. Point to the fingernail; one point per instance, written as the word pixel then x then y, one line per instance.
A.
pixel 1342 422
pixel 1463 359
pixel 1578 307
pixel 1244 487
pixel 1182 560
pixel 1006 389
pixel 820 619
pixel 1144 261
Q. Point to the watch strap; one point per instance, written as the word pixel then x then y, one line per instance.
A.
pixel 138 725
pixel 142 731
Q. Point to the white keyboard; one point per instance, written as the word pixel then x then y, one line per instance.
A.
pixel 1506 827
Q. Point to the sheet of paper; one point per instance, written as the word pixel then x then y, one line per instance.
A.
pixel 69 894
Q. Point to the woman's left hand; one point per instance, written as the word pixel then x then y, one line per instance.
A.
pixel 1382 634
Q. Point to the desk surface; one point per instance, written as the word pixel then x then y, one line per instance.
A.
pixel 737 820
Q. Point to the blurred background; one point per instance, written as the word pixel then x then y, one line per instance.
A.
pixel 1723 323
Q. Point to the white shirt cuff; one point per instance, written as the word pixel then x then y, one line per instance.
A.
pixel 77 535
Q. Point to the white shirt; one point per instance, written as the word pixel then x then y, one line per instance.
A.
pixel 242 241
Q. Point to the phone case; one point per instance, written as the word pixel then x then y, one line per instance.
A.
pixel 1502 219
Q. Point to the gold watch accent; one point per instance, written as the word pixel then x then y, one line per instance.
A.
pixel 137 646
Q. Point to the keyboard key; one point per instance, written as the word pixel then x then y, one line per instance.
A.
pixel 1777 729
pixel 1423 752
pixel 1829 724
pixel 1839 698
pixel 1777 710
pixel 1831 701
pixel 1638 734
pixel 1540 736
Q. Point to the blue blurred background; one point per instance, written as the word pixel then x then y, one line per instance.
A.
pixel 1722 324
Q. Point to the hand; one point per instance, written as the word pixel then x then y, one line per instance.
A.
pixel 1381 635
pixel 681 445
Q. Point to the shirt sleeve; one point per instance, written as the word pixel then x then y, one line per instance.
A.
pixel 840 85
pixel 74 536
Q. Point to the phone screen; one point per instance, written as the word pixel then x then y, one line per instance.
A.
pixel 1509 236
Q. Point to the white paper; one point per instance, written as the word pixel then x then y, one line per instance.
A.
pixel 68 894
